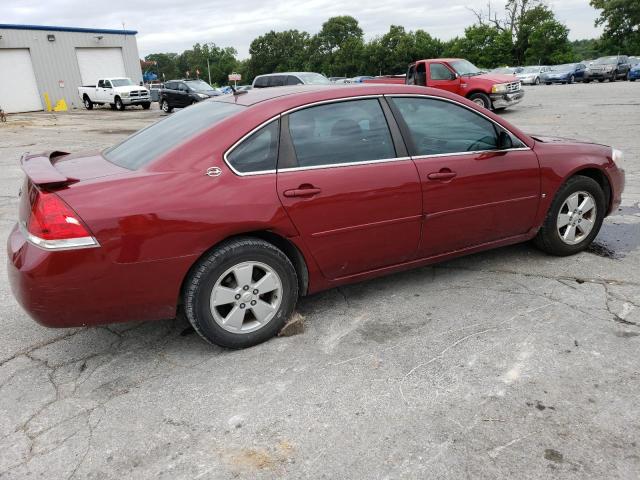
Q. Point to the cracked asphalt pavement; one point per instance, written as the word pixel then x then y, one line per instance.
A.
pixel 504 364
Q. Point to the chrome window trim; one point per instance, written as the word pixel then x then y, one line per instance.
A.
pixel 364 162
pixel 242 139
pixel 338 165
pixel 65 244
pixel 278 116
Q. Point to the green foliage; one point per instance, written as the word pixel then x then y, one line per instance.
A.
pixel 528 34
pixel 483 45
pixel 621 20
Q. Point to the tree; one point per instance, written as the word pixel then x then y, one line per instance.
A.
pixel 338 47
pixel 278 52
pixel 165 65
pixel 221 62
pixel 621 20
pixel 484 45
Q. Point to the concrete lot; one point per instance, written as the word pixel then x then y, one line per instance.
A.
pixel 505 364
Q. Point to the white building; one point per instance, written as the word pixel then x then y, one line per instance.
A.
pixel 42 66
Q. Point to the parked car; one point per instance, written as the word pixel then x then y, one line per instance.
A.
pixel 117 92
pixel 634 73
pixel 608 68
pixel 567 73
pixel 235 206
pixel 489 90
pixel 506 70
pixel 335 79
pixel 242 88
pixel 531 75
pixel 360 79
pixel 289 79
pixel 182 93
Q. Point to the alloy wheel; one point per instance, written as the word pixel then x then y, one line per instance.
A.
pixel 246 297
pixel 576 218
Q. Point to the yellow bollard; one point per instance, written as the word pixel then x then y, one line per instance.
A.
pixel 47 101
pixel 61 106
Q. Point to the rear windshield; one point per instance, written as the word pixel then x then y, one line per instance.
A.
pixel 148 144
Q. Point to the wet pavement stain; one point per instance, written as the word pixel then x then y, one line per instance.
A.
pixel 603 251
pixel 616 240
pixel 626 334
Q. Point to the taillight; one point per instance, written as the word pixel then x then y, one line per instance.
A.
pixel 53 224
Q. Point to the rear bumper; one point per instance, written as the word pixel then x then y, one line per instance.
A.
pixel 503 100
pixel 79 287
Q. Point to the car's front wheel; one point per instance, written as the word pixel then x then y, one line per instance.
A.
pixel 481 99
pixel 241 294
pixel 574 219
pixel 572 79
pixel 119 104
pixel 88 104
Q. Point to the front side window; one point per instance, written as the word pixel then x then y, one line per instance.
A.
pixel 261 82
pixel 157 139
pixel 291 80
pixel 439 127
pixel 107 84
pixel 439 72
pixel 258 152
pixel 341 132
pixel 277 81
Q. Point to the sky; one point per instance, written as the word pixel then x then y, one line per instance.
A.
pixel 174 26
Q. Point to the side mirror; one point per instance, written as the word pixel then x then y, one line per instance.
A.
pixel 504 141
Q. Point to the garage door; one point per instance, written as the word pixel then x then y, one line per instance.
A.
pixel 18 88
pixel 96 63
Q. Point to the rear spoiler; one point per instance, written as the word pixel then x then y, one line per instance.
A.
pixel 40 170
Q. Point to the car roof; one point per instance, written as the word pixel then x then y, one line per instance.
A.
pixel 285 73
pixel 299 95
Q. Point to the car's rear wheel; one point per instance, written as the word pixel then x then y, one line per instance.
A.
pixel 574 218
pixel 119 104
pixel 166 108
pixel 241 294
pixel 88 104
pixel 481 99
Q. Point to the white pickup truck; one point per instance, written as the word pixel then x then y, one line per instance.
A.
pixel 117 92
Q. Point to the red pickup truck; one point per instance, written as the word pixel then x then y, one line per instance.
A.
pixel 490 90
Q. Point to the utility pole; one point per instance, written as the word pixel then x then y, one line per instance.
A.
pixel 209 70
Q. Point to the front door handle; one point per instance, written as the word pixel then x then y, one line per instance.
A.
pixel 302 191
pixel 443 174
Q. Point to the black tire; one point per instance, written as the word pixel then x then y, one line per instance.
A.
pixel 203 277
pixel 537 81
pixel 614 77
pixel 146 105
pixel 548 238
pixel 112 106
pixel 548 83
pixel 586 81
pixel 601 80
pixel 88 104
pixel 119 105
pixel 165 107
pixel 481 97
pixel 572 79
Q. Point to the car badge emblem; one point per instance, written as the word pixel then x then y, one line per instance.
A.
pixel 214 172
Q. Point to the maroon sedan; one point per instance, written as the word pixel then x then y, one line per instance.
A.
pixel 236 206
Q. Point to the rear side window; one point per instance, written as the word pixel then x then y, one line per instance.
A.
pixel 342 132
pixel 438 127
pixel 258 152
pixel 261 82
pixel 148 144
pixel 277 80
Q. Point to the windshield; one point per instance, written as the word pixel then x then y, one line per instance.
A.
pixel 563 68
pixel 313 78
pixel 148 144
pixel 465 68
pixel 121 82
pixel 606 61
pixel 530 70
pixel 199 85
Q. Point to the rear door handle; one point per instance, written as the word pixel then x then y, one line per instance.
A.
pixel 302 192
pixel 441 175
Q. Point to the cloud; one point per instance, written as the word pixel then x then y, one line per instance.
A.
pixel 170 26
